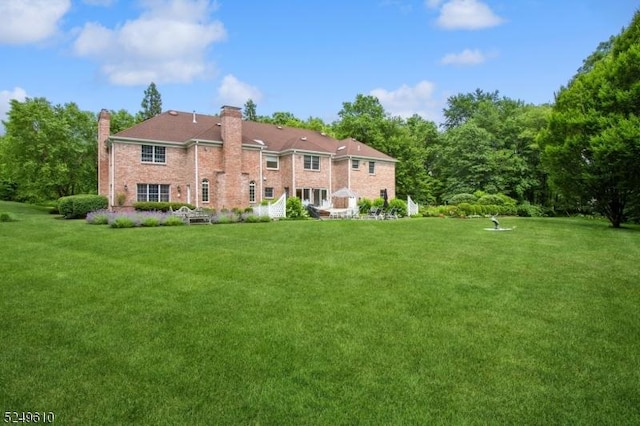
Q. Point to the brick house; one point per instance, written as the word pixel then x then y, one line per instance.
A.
pixel 226 162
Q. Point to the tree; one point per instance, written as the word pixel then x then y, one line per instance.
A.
pixel 406 140
pixel 592 142
pixel 121 120
pixel 49 151
pixel 505 151
pixel 250 113
pixel 151 103
pixel 462 107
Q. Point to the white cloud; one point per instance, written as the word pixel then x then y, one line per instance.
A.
pixel 30 21
pixel 235 92
pixel 18 93
pixel 406 101
pixel 166 44
pixel 466 15
pixel 466 57
pixel 99 2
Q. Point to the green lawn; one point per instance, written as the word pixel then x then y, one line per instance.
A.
pixel 415 321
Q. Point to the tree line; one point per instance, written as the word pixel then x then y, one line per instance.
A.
pixel 577 155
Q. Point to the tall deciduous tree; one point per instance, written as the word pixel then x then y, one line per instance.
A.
pixel 49 151
pixel 121 120
pixel 489 145
pixel 592 143
pixel 151 103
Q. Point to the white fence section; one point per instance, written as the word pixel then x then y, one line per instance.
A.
pixel 412 208
pixel 274 210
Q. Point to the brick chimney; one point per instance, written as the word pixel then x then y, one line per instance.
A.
pixel 104 121
pixel 231 191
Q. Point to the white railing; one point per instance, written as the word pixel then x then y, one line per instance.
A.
pixel 274 210
pixel 412 208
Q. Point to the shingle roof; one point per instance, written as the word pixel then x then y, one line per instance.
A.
pixel 181 128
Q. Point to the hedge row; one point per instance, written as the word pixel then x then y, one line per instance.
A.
pixel 78 206
pixel 149 206
pixel 471 210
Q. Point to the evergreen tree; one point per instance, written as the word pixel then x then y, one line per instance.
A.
pixel 151 103
pixel 250 109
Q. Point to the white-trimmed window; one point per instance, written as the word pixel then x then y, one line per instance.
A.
pixel 154 154
pixel 252 192
pixel 372 167
pixel 268 192
pixel 312 162
pixel 272 161
pixel 355 163
pixel 205 190
pixel 152 192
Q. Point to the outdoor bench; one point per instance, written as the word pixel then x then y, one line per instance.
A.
pixel 190 216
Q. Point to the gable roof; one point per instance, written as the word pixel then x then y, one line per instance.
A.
pixel 184 127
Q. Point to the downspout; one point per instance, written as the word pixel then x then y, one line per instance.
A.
pixel 330 176
pixel 112 173
pixel 197 174
pixel 293 173
pixel 349 162
pixel 261 178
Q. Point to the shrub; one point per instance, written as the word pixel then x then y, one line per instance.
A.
pixel 295 209
pixel 506 200
pixel 78 206
pixel 462 198
pixel 491 199
pixel 8 190
pixel 365 204
pixel 98 217
pixel 222 218
pixel 6 217
pixel 251 218
pixel 465 209
pixel 159 206
pixel 123 222
pixel 399 205
pixel 527 209
pixel 173 221
pixel 150 221
pixel 378 202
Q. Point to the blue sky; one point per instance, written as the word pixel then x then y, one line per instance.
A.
pixel 304 57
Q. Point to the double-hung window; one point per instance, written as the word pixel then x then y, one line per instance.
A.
pixel 311 162
pixel 152 192
pixel 372 167
pixel 355 163
pixel 154 154
pixel 268 192
pixel 272 161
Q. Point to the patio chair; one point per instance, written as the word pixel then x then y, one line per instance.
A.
pixel 375 213
pixel 392 214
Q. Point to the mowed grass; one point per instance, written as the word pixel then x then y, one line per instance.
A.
pixel 416 321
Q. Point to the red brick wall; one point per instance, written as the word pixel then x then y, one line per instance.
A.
pixel 230 180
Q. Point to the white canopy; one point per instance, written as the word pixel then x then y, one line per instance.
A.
pixel 344 193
